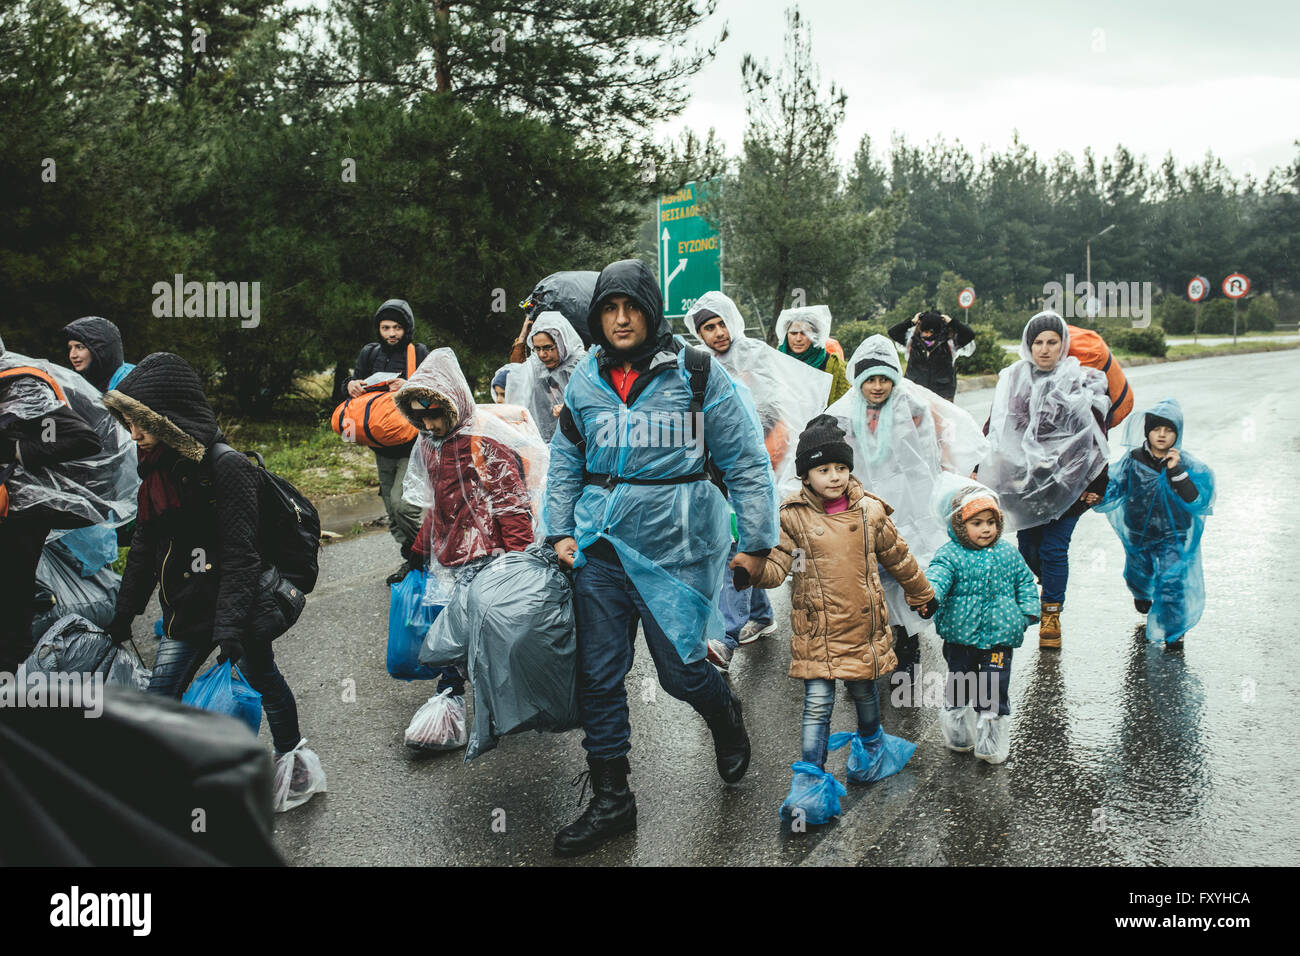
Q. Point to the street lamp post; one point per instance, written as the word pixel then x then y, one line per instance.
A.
pixel 1088 257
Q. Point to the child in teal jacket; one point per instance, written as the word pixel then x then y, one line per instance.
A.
pixel 987 597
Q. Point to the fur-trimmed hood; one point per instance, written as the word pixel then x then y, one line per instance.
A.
pixel 164 396
pixel 440 380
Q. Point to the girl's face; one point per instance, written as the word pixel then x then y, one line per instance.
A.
pixel 1046 350
pixel 79 356
pixel 877 388
pixel 1162 438
pixel 498 394
pixel 798 339
pixel 145 441
pixel 982 528
pixel 829 481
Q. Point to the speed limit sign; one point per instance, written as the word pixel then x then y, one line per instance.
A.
pixel 1236 286
pixel 966 297
pixel 1198 288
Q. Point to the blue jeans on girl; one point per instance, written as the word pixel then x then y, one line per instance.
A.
pixel 819 701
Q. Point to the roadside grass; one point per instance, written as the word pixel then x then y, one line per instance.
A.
pixel 317 461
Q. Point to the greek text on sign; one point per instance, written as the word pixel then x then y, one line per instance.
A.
pixel 1236 285
pixel 690 261
pixel 1198 288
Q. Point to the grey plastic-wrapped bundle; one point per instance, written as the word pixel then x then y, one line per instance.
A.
pixel 76 646
pixel 62 591
pixel 522 648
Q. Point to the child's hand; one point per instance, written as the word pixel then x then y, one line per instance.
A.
pixel 926 610
pixel 747 566
pixel 1090 497
pixel 566 549
pixel 1171 459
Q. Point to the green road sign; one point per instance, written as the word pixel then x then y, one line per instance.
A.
pixel 690 259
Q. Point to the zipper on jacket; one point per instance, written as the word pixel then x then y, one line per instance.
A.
pixel 162 586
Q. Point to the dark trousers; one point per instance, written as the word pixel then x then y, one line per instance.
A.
pixel 21 539
pixel 608 607
pixel 179 661
pixel 1046 549
pixel 978 676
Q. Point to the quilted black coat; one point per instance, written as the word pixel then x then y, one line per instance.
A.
pixel 203 557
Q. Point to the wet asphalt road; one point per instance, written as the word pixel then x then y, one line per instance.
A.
pixel 1121 753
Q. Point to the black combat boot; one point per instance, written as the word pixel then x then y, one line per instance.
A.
pixel 612 809
pixel 730 741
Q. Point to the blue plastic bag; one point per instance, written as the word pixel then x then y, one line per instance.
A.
pixel 409 620
pixel 223 690
pixel 814 795
pixel 874 758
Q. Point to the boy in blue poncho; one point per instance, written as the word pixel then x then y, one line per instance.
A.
pixel 1156 500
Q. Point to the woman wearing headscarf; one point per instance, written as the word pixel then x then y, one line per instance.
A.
pixel 1047 455
pixel 538 385
pixel 803 333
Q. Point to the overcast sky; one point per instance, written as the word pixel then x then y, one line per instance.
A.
pixel 1156 76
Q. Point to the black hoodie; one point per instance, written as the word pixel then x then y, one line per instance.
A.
pixel 104 340
pixel 379 356
pixel 632 278
pixel 204 555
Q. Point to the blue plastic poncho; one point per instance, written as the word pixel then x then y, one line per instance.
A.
pixel 900 449
pixel 672 539
pixel 1160 532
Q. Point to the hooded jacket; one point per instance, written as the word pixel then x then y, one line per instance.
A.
pixel 931 366
pixel 379 356
pixel 786 392
pixel 104 340
pixel 987 596
pixel 537 388
pixel 204 556
pixel 40 437
pixel 818 320
pixel 840 625
pixel 671 539
pixel 480 496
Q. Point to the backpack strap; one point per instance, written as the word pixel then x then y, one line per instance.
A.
pixel 410 359
pixel 698 362
pixel 20 371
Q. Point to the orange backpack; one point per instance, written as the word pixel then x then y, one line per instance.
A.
pixel 1091 350
pixel 11 373
pixel 372 418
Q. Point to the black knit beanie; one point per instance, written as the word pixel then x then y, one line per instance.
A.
pixel 1043 323
pixel 820 443
pixel 1155 421
pixel 702 316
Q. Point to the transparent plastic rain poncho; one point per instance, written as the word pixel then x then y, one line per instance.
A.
pixel 483 482
pixel 1045 443
pixel 816 320
pixel 1160 532
pixel 786 393
pixel 917 437
pixel 101 489
pixel 539 389
pixel 672 540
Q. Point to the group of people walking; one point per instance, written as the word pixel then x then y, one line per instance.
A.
pixel 678 484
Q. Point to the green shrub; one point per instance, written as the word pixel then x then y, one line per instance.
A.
pixel 1216 318
pixel 989 356
pixel 1261 314
pixel 1148 341
pixel 1176 314
pixel 852 334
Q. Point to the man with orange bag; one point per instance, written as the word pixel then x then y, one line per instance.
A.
pixel 390 358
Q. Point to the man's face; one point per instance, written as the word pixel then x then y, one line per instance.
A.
pixel 390 331
pixel 623 323
pixel 714 334
pixel 548 353
pixel 79 355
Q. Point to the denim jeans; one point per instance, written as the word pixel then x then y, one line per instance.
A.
pixel 608 606
pixel 178 662
pixel 819 701
pixel 978 676
pixel 741 607
pixel 1046 549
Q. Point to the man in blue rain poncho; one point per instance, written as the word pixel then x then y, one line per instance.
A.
pixel 631 507
pixel 1157 499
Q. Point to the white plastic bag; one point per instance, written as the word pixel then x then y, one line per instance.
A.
pixel 299 776
pixel 439 724
pixel 993 738
pixel 957 724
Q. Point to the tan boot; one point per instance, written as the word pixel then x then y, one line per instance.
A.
pixel 1049 625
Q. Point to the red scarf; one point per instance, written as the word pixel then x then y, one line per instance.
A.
pixel 158 492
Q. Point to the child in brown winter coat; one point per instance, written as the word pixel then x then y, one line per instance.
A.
pixel 834 537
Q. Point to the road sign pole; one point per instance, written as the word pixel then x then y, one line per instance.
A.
pixel 1196 322
pixel 1234 321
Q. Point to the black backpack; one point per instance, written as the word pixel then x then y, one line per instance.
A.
pixel 287 524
